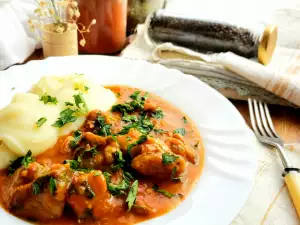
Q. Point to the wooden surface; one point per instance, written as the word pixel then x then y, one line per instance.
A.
pixel 286 120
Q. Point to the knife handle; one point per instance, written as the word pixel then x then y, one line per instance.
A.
pixel 292 180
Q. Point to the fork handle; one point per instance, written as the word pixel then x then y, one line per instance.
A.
pixel 292 180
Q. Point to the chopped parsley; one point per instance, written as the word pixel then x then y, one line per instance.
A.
pixel 74 165
pixel 86 88
pixel 48 99
pixel 119 161
pixel 20 161
pixel 89 193
pixel 121 187
pixel 80 102
pixel 77 135
pixel 163 192
pixel 41 121
pixel 104 129
pixel 159 131
pixel 66 116
pixel 158 114
pixel 124 108
pixel 179 131
pixel 131 197
pixel 13 88
pixel 129 118
pixel 184 120
pixel 118 95
pixel 168 158
pixel 141 140
pixel 36 189
pixel 52 185
pixel 69 104
pixel 97 174
pixel 143 125
pixel 173 177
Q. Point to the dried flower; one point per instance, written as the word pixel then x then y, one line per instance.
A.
pixel 82 42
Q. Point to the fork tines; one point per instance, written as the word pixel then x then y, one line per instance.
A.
pixel 260 119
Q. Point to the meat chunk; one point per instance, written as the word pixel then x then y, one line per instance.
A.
pixel 38 200
pixel 177 146
pixel 85 188
pixel 95 139
pixel 151 164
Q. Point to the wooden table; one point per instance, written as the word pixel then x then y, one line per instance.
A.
pixel 286 120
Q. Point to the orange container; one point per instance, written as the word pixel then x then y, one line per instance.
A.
pixel 108 35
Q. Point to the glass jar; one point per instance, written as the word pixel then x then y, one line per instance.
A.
pixel 138 11
pixel 108 35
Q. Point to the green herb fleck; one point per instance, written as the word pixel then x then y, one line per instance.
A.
pixel 179 131
pixel 159 131
pixel 168 158
pixel 77 135
pixel 158 114
pixel 89 193
pixel 119 161
pixel 41 121
pixel 36 189
pixel 129 118
pixel 173 177
pixel 52 185
pixel 48 99
pixel 117 189
pixel 69 104
pixel 97 174
pixel 80 102
pixel 131 197
pixel 66 116
pixel 184 120
pixel 163 192
pixel 13 88
pixel 104 129
pixel 20 161
pixel 86 88
pixel 118 95
pixel 141 140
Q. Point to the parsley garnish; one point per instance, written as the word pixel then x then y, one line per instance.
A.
pixel 104 129
pixel 41 121
pixel 77 137
pixel 118 95
pixel 13 88
pixel 20 161
pixel 36 189
pixel 97 174
pixel 184 120
pixel 122 108
pixel 52 185
pixel 179 131
pixel 141 140
pixel 173 178
pixel 119 161
pixel 80 102
pixel 159 131
pixel 130 118
pixel 86 88
pixel 168 158
pixel 121 187
pixel 163 192
pixel 48 99
pixel 89 191
pixel 131 197
pixel 66 116
pixel 69 104
pixel 158 114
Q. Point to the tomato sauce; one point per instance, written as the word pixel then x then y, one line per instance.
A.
pixel 118 214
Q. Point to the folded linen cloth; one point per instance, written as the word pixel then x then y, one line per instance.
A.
pixel 17 42
pixel 234 76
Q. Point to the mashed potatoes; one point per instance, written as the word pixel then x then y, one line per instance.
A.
pixel 18 129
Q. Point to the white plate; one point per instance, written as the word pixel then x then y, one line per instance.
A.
pixel 230 162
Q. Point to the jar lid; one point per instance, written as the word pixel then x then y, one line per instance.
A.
pixel 267 44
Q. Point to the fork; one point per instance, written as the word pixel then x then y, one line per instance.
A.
pixel 264 130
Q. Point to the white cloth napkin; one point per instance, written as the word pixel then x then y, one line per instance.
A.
pixel 17 42
pixel 236 77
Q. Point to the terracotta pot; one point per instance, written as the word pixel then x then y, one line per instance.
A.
pixel 59 44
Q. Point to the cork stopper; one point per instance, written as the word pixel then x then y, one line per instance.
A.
pixel 267 44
